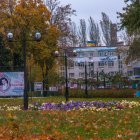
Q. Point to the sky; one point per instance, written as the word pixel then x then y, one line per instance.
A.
pixel 86 8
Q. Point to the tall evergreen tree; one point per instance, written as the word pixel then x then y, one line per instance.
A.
pixel 74 35
pixel 94 32
pixel 106 29
pixel 83 33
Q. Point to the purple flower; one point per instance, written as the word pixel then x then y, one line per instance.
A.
pixel 77 105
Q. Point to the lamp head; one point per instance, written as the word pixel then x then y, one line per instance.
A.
pixel 74 53
pixel 102 69
pixel 56 53
pixel 10 36
pixel 37 36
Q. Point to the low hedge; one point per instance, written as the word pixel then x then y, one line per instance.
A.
pixel 43 94
pixel 98 93
pixel 102 93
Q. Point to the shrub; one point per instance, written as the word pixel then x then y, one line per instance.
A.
pixel 98 93
pixel 103 93
pixel 43 94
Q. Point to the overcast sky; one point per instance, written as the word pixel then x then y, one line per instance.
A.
pixel 86 8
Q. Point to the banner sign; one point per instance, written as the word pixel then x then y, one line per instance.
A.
pixel 11 83
pixel 38 86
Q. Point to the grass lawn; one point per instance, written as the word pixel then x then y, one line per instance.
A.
pixel 69 125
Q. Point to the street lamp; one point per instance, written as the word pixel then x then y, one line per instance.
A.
pixel 86 82
pixel 66 70
pixel 86 77
pixel 66 73
pixel 97 78
pixel 103 73
pixel 10 37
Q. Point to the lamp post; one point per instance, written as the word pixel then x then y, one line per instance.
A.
pixel 90 63
pixel 66 73
pixel 10 37
pixel 66 76
pixel 65 56
pixel 104 82
pixel 86 82
pixel 97 78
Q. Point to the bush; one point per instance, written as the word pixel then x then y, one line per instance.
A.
pixel 102 93
pixel 98 93
pixel 44 94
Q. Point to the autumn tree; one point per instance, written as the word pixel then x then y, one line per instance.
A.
pixel 5 56
pixel 24 18
pixel 94 32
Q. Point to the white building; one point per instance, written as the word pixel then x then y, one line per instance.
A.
pixel 96 59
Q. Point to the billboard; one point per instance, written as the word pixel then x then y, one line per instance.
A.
pixel 11 83
pixel 38 86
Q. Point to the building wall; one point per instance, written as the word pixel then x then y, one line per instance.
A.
pixel 97 59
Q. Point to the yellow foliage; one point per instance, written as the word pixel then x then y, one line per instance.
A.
pixel 29 16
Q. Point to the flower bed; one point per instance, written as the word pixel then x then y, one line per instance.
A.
pixel 77 105
pixel 92 106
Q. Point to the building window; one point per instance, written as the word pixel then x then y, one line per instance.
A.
pixel 111 53
pixel 120 71
pixel 81 54
pixel 129 73
pixel 71 65
pixel 91 64
pixel 62 68
pixel 81 65
pixel 136 71
pixel 71 75
pixel 101 53
pixel 91 54
pixel 91 73
pixel 110 63
pixel 62 74
pixel 101 64
pixel 106 53
pixel 120 65
pixel 111 73
pixel 81 74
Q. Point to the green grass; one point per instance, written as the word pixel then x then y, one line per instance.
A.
pixel 123 124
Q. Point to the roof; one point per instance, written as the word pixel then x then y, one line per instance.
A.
pixel 95 59
pixel 95 49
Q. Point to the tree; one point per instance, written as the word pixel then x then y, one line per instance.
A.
pixel 109 30
pixel 116 79
pixel 106 28
pixel 74 35
pixel 94 32
pixel 83 32
pixel 134 50
pixel 61 17
pixel 25 18
pixel 5 56
pixel 130 17
pixel 130 20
